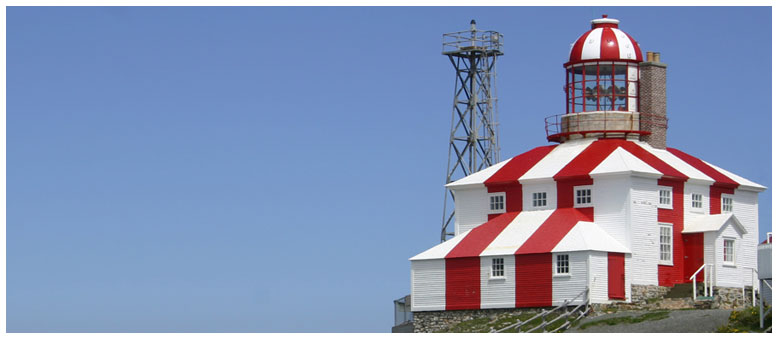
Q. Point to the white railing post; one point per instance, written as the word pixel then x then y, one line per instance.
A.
pixel 694 288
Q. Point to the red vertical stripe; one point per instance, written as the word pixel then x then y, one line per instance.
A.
pixel 715 197
pixel 670 275
pixel 513 196
pixel 533 280
pixel 577 50
pixel 693 250
pixel 609 48
pixel 463 283
pixel 616 276
pixel 565 196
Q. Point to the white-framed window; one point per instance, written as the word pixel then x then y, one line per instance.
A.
pixel 498 268
pixel 497 202
pixel 666 197
pixel 582 196
pixel 538 199
pixel 726 204
pixel 562 264
pixel 696 201
pixel 729 251
pixel 666 244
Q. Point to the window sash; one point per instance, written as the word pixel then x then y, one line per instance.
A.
pixel 666 244
pixel 726 204
pixel 538 199
pixel 696 200
pixel 498 267
pixel 562 264
pixel 497 202
pixel 729 251
pixel 665 197
pixel 583 196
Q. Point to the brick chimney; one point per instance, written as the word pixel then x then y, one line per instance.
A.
pixel 653 100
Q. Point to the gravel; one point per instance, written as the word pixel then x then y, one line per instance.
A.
pixel 680 321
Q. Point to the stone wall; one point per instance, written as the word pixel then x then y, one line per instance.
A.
pixel 437 321
pixel 729 298
pixel 641 293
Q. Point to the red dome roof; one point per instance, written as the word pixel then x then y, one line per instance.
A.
pixel 605 42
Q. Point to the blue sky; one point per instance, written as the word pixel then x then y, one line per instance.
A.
pixel 272 169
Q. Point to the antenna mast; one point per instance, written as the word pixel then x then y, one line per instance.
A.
pixel 473 144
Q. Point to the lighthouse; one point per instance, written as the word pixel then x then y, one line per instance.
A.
pixel 605 213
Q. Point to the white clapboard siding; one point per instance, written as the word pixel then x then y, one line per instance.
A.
pixel 598 277
pixel 498 292
pixel 644 197
pixel 428 285
pixel 688 189
pixel 727 275
pixel 709 252
pixel 548 186
pixel 471 208
pixel 566 287
pixel 610 199
pixel 628 277
pixel 745 206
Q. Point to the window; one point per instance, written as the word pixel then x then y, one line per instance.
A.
pixel 497 202
pixel 729 251
pixel 538 199
pixel 562 266
pixel 726 204
pixel 498 268
pixel 583 196
pixel 696 200
pixel 666 244
pixel 666 198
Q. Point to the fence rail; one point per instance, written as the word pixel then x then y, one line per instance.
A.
pixel 580 310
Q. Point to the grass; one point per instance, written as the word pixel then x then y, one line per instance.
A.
pixel 486 324
pixel 628 319
pixel 744 321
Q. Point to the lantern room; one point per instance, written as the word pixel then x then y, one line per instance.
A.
pixel 602 72
pixel 602 86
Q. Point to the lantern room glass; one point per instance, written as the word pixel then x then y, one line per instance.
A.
pixel 602 86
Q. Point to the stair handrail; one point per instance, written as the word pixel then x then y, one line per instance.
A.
pixel 754 273
pixel 704 280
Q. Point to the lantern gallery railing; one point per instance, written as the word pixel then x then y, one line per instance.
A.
pixel 562 127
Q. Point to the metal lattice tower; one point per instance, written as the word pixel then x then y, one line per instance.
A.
pixel 473 144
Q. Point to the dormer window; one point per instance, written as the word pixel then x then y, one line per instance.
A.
pixel 696 201
pixel 539 199
pixel 583 196
pixel 497 202
pixel 726 204
pixel 666 197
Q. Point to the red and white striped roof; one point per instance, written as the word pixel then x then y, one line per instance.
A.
pixel 605 42
pixel 588 158
pixel 527 232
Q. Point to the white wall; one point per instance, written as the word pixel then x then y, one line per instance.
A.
pixel 471 208
pixel 688 189
pixel 498 293
pixel 610 199
pixel 548 186
pixel 428 285
pixel 644 196
pixel 567 287
pixel 745 206
pixel 727 275
pixel 628 277
pixel 598 277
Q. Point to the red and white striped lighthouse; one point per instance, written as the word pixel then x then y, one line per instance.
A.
pixel 607 210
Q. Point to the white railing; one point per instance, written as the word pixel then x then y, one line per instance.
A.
pixel 708 272
pixel 579 311
pixel 754 286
